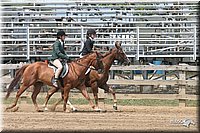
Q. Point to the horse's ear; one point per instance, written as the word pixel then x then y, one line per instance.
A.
pixel 118 44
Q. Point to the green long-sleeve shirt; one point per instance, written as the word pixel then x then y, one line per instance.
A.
pixel 58 51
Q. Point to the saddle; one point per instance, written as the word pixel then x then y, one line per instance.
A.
pixel 63 73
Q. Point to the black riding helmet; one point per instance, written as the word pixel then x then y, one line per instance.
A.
pixel 60 33
pixel 91 31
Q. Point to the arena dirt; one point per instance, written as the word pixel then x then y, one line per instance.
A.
pixel 127 118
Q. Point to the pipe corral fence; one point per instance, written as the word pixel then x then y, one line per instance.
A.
pixel 167 30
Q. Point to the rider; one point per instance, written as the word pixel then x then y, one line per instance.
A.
pixel 58 55
pixel 89 43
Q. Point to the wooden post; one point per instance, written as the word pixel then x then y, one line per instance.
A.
pixel 182 100
pixel 12 73
pixel 145 88
pixel 101 98
pixel 132 74
pixel 112 74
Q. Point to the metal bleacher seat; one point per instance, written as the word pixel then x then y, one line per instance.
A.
pixel 139 25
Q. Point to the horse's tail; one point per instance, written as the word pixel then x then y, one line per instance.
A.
pixel 16 80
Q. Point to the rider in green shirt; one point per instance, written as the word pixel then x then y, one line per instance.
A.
pixel 58 54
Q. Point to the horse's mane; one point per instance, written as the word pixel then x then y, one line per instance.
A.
pixel 78 59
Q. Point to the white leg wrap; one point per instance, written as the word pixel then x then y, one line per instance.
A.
pixel 71 106
pixel 46 109
pixel 69 103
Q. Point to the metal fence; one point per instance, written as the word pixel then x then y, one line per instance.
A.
pixel 146 29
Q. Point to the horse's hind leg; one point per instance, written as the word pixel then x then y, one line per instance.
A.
pixel 19 92
pixel 36 91
pixel 49 94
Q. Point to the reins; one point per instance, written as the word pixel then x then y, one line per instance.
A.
pixel 79 79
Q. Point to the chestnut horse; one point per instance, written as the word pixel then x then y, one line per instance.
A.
pixel 39 73
pixel 95 80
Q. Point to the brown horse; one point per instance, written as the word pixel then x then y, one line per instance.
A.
pixel 91 81
pixel 39 73
pixel 95 80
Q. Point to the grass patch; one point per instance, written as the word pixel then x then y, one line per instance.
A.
pixel 146 102
pixel 192 103
pixel 130 102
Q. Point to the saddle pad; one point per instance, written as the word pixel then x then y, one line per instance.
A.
pixel 64 71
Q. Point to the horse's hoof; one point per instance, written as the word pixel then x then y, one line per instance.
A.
pixel 15 109
pixel 52 108
pixel 45 109
pixel 115 107
pixel 39 110
pixel 74 109
pixel 67 111
pixel 98 110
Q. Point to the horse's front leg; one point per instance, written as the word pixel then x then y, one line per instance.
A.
pixel 94 88
pixel 110 90
pixel 65 97
pixel 114 98
pixel 49 94
pixel 82 88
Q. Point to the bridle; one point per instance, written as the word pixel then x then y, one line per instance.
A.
pixel 120 55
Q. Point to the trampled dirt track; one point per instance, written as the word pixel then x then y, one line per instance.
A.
pixel 132 118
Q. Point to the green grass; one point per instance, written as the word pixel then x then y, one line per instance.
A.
pixel 124 102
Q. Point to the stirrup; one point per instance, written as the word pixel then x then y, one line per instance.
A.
pixel 55 83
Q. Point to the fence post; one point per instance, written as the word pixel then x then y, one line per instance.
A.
pixel 101 98
pixel 112 74
pixel 132 74
pixel 194 48
pixel 28 46
pixel 138 45
pixel 82 38
pixel 182 99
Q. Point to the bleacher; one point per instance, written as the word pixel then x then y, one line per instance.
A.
pixel 147 29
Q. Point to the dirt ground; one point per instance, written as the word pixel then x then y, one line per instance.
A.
pixel 127 118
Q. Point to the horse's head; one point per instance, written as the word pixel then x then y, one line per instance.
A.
pixel 120 55
pixel 97 62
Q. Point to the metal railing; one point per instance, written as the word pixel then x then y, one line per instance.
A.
pixel 137 41
pixel 146 29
